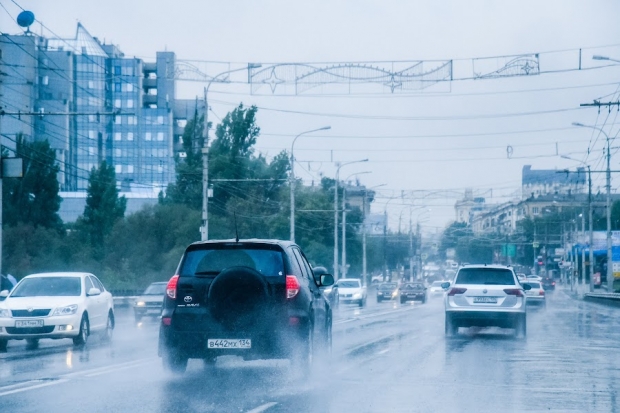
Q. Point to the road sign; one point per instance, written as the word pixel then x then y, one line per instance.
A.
pixel 509 250
pixel 535 244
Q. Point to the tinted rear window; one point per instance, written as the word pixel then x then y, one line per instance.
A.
pixel 210 261
pixel 348 284
pixel 387 286
pixel 488 276
pixel 156 289
pixel 534 285
pixel 413 287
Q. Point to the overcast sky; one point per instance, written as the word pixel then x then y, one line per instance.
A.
pixel 446 138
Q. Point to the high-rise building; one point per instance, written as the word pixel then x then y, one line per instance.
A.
pixel 92 103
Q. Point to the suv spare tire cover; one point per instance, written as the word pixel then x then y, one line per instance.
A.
pixel 238 297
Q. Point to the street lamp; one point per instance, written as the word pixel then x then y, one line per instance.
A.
pixel 610 270
pixel 292 182
pixel 344 224
pixel 590 228
pixel 599 57
pixel 204 229
pixel 336 212
pixel 364 231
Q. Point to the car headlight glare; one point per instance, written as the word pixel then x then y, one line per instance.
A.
pixel 5 313
pixel 140 303
pixel 68 310
pixel 357 295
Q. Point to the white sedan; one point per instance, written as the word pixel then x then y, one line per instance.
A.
pixel 351 291
pixel 56 305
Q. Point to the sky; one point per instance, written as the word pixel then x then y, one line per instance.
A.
pixel 424 148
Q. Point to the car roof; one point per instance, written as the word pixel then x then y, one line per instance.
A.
pixel 58 274
pixel 495 266
pixel 281 243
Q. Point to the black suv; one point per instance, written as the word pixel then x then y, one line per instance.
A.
pixel 257 299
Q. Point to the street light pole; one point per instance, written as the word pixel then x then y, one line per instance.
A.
pixel 336 213
pixel 610 270
pixel 204 229
pixel 364 231
pixel 292 180
pixel 344 223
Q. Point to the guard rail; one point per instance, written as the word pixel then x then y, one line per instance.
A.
pixel 612 299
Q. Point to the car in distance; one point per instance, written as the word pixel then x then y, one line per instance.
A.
pixel 548 283
pixel 437 288
pixel 412 292
pixel 150 301
pixel 330 292
pixel 536 294
pixel 351 291
pixel 387 291
pixel 256 299
pixel 56 305
pixel 484 296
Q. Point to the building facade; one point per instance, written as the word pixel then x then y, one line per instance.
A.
pixel 94 104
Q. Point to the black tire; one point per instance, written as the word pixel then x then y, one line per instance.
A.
pixel 403 301
pixel 109 329
pixel 174 363
pixel 32 343
pixel 379 299
pixel 521 327
pixel 362 302
pixel 3 345
pixel 303 359
pixel 82 337
pixel 451 329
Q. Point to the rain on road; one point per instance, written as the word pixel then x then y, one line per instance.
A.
pixel 386 357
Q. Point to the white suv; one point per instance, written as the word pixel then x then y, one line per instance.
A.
pixel 485 296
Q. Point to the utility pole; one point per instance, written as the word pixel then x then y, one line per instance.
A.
pixel 344 231
pixel 591 230
pixel 364 229
pixel 410 247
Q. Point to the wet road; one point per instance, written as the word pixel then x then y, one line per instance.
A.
pixel 386 358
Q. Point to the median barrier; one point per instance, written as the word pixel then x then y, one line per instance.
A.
pixel 611 299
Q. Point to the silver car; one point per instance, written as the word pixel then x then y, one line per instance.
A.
pixel 151 300
pixel 485 296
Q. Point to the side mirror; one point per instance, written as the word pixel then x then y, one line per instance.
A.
pixel 527 287
pixel 445 286
pixel 327 280
pixel 93 291
pixel 4 294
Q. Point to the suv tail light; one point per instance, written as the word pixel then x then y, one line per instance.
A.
pixel 514 291
pixel 453 291
pixel 292 286
pixel 542 292
pixel 171 288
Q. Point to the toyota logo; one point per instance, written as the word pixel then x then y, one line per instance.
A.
pixel 484 291
pixel 30 310
pixel 188 299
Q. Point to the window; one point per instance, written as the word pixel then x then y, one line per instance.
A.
pixel 130 136
pixel 117 153
pixel 45 80
pixel 131 120
pixel 118 120
pixel 92 118
pixel 117 71
pixel 127 70
pixel 535 210
pixel 160 136
pixel 117 103
pixel 148 136
pixel 91 84
pixel 117 87
pixel 117 136
pixel 128 87
pixel 130 103
pixel 118 169
pixel 91 134
pixel 130 169
pixel 91 150
pixel 160 120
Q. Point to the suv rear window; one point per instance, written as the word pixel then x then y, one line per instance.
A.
pixel 487 276
pixel 210 260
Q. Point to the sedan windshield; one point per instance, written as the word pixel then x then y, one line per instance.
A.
pixel 49 287
pixel 488 276
pixel 387 286
pixel 413 287
pixel 348 284
pixel 155 289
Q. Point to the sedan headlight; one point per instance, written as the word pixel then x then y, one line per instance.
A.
pixel 357 295
pixel 4 313
pixel 140 303
pixel 68 310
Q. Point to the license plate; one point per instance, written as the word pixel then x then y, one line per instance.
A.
pixel 28 323
pixel 222 343
pixel 485 300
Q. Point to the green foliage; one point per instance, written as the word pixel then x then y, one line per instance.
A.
pixel 103 207
pixel 33 199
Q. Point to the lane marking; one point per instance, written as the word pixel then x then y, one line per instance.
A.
pixel 36 386
pixel 262 408
pixel 116 369
pixel 107 368
pixel 366 316
pixel 383 351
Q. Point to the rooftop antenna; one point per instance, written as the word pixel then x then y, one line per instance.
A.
pixel 236 229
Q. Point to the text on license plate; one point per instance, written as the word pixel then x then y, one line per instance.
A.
pixel 28 323
pixel 228 343
pixel 485 300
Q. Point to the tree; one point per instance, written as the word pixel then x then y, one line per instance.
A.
pixel 103 206
pixel 33 199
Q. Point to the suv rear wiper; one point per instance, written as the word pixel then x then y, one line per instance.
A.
pixel 206 273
